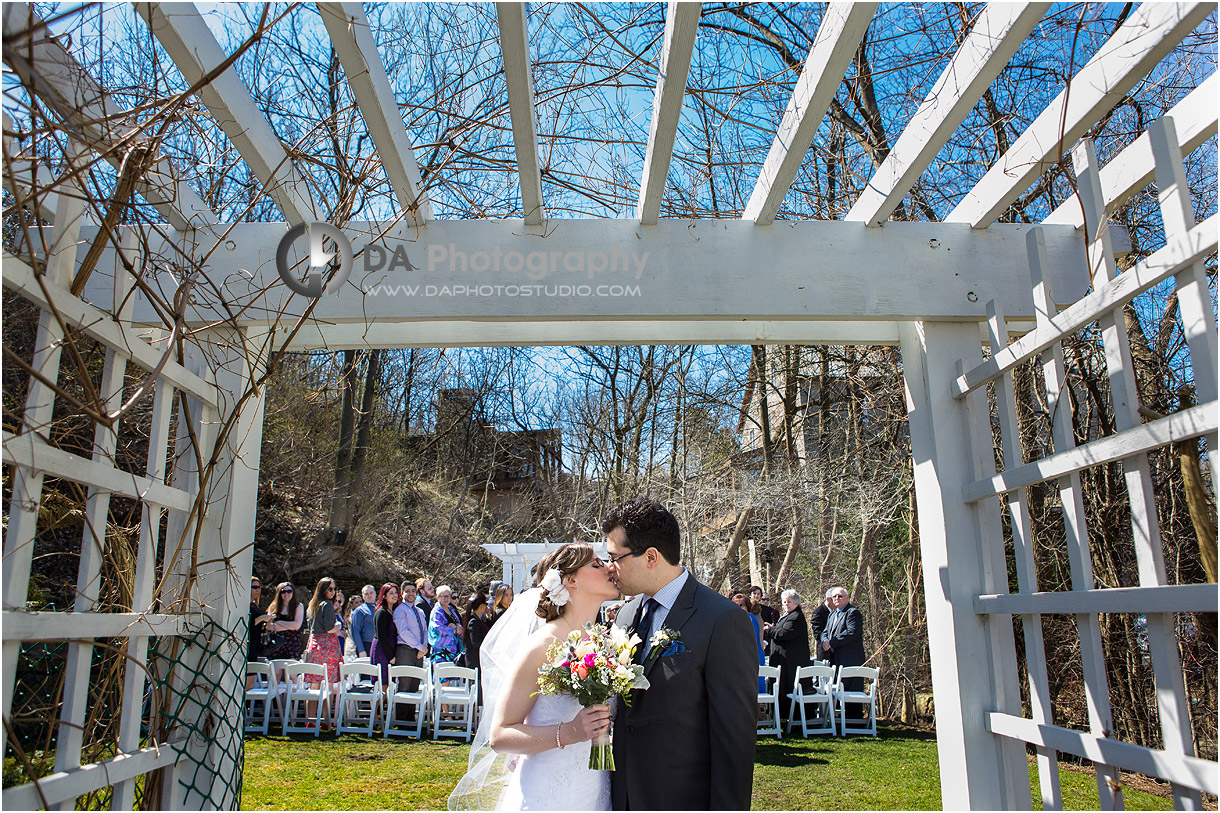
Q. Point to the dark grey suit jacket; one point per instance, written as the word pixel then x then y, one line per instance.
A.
pixel 845 633
pixel 817 621
pixel 687 742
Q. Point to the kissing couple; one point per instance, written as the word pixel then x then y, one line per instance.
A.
pixel 684 743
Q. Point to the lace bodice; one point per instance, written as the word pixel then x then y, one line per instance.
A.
pixel 556 779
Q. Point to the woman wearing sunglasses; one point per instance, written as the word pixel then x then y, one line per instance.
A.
pixel 289 619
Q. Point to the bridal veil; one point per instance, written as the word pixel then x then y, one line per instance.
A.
pixel 488 772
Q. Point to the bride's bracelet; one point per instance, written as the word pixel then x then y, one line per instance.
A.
pixel 558 744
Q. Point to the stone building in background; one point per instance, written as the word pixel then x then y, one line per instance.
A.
pixel 507 471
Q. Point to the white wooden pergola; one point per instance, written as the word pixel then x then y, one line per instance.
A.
pixel 934 289
pixel 519 559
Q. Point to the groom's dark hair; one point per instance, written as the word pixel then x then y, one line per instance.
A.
pixel 647 524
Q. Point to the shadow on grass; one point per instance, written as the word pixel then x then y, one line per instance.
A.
pixel 793 751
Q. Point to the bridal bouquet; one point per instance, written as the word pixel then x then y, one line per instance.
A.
pixel 593 665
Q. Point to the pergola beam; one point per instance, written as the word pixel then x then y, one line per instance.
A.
pixel 1133 169
pixel 1152 31
pixel 615 269
pixel 352 38
pixel 190 44
pixel 334 336
pixel 993 40
pixel 27 177
pixel 50 72
pixel 681 25
pixel 514 43
pixel 843 27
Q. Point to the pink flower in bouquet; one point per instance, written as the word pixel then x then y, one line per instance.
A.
pixel 593 665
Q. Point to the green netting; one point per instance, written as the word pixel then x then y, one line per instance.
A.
pixel 195 686
pixel 36 690
pixel 198 688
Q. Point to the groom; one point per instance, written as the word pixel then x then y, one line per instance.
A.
pixel 687 742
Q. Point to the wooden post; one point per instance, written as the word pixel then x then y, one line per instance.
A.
pixel 973 666
pixel 39 405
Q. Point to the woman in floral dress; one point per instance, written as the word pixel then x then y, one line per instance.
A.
pixel 445 628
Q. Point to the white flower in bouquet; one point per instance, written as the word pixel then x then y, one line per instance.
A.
pixel 593 665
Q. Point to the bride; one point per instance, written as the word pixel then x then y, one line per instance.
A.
pixel 531 751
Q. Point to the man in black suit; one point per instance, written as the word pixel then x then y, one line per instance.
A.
pixel 817 620
pixel 426 599
pixel 842 641
pixel 686 742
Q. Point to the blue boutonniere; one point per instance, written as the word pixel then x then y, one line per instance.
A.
pixel 665 642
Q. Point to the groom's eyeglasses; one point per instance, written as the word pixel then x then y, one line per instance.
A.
pixel 614 559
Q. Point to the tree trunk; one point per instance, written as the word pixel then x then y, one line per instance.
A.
pixel 1202 511
pixel 408 388
pixel 343 461
pixel 764 418
pixel 363 435
pixel 794 544
pixel 730 556
pixel 909 654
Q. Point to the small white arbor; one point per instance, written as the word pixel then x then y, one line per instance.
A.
pixel 520 558
pixel 934 289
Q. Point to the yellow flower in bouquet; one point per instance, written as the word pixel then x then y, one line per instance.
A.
pixel 593 665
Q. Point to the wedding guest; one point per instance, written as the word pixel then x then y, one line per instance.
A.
pixel 478 623
pixel 503 600
pixel 754 608
pixel 817 623
pixel 288 623
pixel 363 629
pixel 412 627
pixel 324 647
pixel 842 643
pixel 768 613
pixel 612 611
pixel 789 639
pixel 340 605
pixel 258 622
pixel 257 628
pixel 739 598
pixel 426 598
pixel 444 628
pixel 385 639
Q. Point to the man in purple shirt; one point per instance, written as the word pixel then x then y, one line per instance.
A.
pixel 412 635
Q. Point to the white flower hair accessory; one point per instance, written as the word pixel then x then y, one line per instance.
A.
pixel 552 582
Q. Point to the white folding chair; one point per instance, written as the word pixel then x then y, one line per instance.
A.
pixel 768 702
pixel 300 690
pixel 277 668
pixel 278 665
pixel 360 697
pixel 455 701
pixel 812 687
pixel 266 690
pixel 865 698
pixel 420 699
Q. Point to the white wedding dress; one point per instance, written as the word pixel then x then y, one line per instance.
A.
pixel 556 779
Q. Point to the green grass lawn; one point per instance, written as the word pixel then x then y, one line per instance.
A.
pixel 895 771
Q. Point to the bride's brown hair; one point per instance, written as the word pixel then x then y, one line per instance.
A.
pixel 567 560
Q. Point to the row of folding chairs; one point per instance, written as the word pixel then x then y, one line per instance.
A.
pixel 818 696
pixel 442 696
